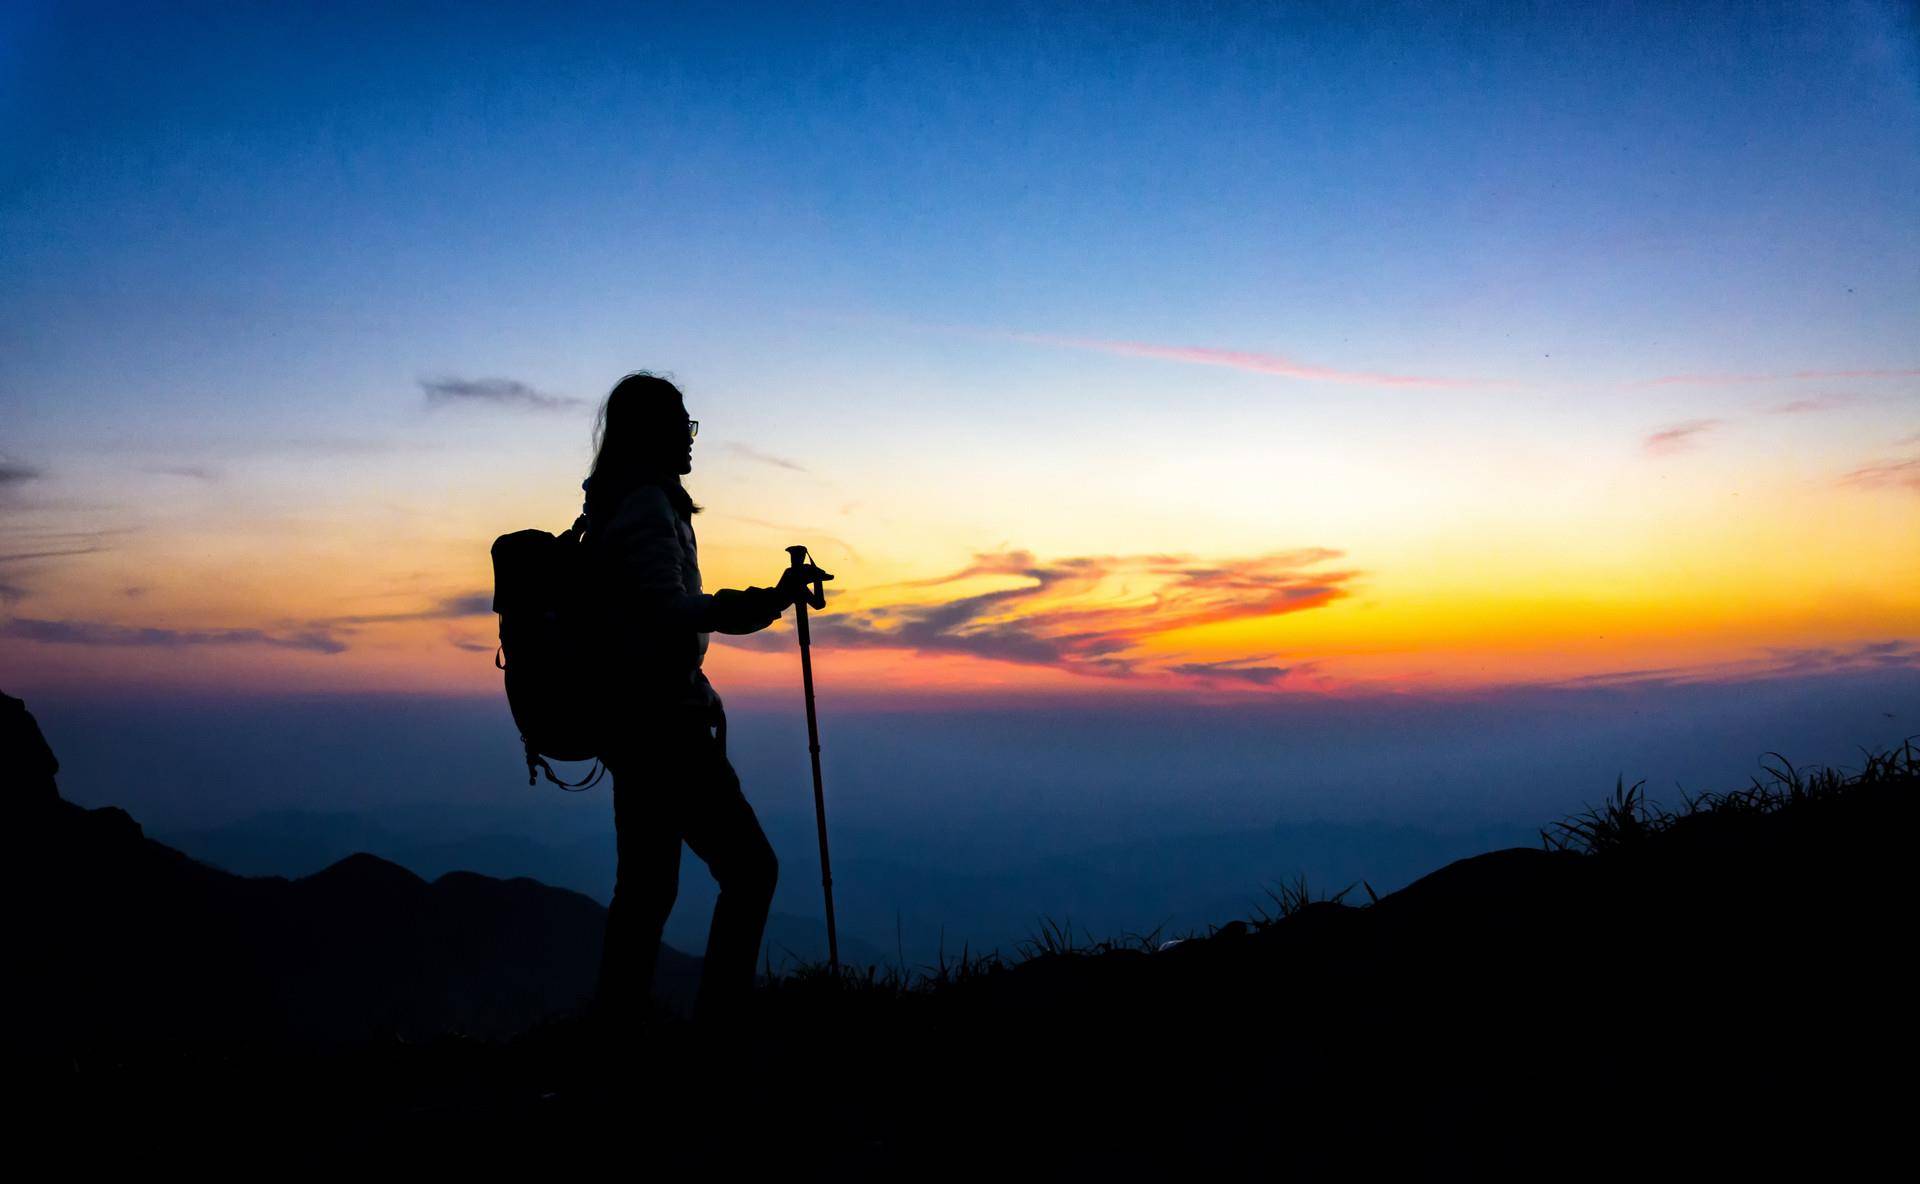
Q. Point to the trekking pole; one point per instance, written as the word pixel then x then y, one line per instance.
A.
pixel 818 599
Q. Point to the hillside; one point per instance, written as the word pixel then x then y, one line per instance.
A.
pixel 116 937
pixel 1716 989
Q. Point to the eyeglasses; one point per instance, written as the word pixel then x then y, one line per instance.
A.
pixel 693 428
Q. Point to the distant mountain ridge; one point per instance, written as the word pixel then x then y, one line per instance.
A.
pixel 114 935
pixel 900 904
pixel 294 843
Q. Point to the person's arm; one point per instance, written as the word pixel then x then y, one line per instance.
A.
pixel 749 610
pixel 746 610
pixel 643 541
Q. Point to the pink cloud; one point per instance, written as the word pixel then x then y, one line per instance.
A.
pixel 1737 379
pixel 1257 363
pixel 1887 474
pixel 1810 405
pixel 1680 436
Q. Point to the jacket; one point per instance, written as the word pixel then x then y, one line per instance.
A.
pixel 658 613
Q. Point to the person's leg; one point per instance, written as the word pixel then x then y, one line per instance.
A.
pixel 646 824
pixel 721 828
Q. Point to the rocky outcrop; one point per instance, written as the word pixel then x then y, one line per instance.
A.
pixel 27 764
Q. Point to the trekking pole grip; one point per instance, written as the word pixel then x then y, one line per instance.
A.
pixel 799 554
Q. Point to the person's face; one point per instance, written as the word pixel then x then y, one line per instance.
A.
pixel 684 429
pixel 670 440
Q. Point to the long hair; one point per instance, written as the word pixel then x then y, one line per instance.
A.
pixel 625 445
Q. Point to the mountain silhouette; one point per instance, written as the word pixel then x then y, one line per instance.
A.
pixel 116 936
pixel 1724 989
pixel 905 902
pixel 298 842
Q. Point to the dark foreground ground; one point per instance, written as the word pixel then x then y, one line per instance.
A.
pixel 1723 988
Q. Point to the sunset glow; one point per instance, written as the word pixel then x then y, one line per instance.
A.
pixel 1372 394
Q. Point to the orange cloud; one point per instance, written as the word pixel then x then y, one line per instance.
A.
pixel 1085 615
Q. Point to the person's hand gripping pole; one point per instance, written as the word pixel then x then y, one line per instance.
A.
pixel 802 572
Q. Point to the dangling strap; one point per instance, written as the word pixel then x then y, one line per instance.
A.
pixel 537 764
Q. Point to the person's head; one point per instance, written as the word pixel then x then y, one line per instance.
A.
pixel 642 435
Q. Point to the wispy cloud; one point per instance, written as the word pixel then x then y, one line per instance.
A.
pixel 100 633
pixel 31 549
pixel 472 604
pixel 1257 363
pixel 1094 615
pixel 321 635
pixel 1680 436
pixel 15 477
pixel 345 446
pixel 447 608
pixel 219 446
pixel 765 458
pixel 189 472
pixel 1903 473
pixel 54 552
pixel 1240 670
pixel 1768 662
pixel 13 473
pixel 1812 405
pixel 1726 378
pixel 1897 653
pixel 814 538
pixel 492 392
pixel 42 544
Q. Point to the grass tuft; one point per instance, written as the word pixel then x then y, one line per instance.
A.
pixel 1291 898
pixel 1622 821
pixel 1630 818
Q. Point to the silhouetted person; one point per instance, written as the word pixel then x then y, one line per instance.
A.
pixel 672 782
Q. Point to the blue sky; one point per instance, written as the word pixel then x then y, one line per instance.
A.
pixel 1499 302
pixel 1401 188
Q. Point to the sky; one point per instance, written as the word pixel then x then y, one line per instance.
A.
pixel 1222 354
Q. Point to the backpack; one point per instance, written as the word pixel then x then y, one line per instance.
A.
pixel 551 647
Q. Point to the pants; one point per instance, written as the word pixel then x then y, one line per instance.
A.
pixel 672 783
